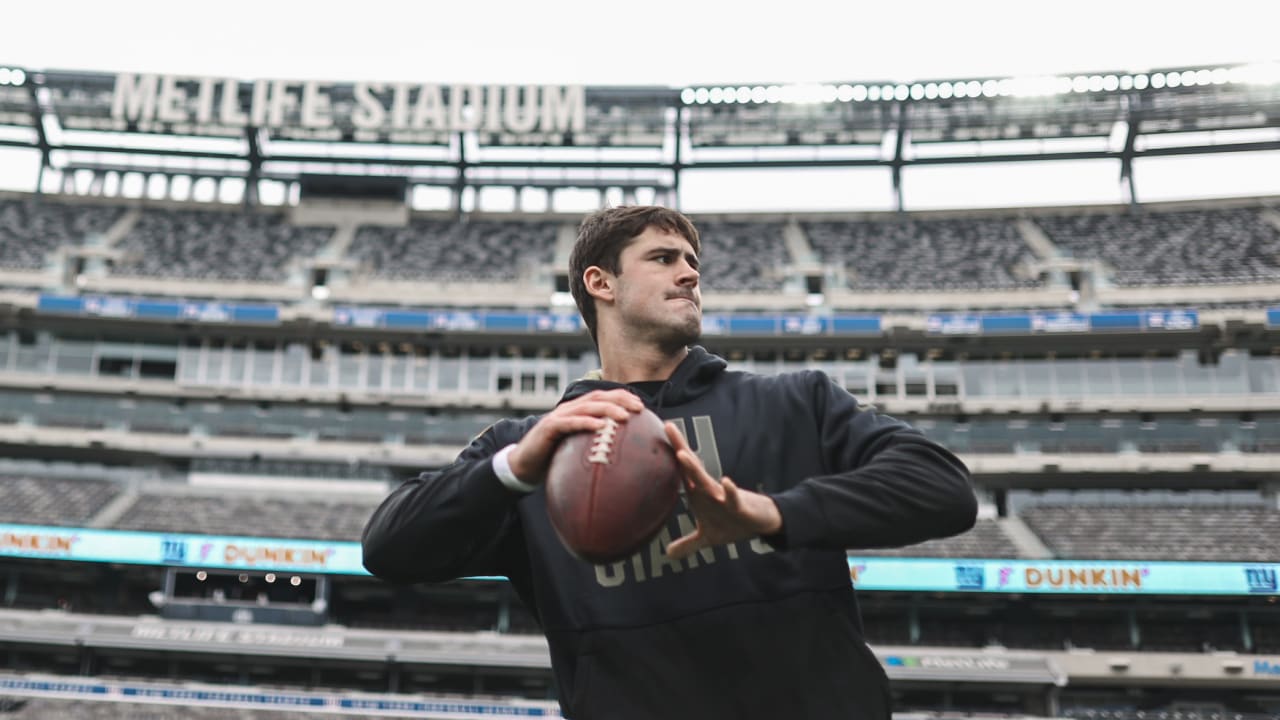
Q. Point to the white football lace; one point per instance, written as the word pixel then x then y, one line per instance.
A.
pixel 603 444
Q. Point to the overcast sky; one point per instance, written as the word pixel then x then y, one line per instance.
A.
pixel 686 42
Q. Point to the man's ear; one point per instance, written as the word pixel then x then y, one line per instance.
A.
pixel 599 283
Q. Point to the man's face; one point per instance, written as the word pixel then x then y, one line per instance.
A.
pixel 657 297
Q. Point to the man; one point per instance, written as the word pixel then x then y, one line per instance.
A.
pixel 742 606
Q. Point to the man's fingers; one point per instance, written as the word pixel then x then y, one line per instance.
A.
pixel 731 497
pixel 685 546
pixel 675 437
pixel 696 477
pixel 621 398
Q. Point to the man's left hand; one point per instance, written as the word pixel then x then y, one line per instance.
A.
pixel 724 512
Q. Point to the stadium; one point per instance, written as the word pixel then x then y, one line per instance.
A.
pixel 235 314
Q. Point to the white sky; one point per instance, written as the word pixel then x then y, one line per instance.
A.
pixel 665 42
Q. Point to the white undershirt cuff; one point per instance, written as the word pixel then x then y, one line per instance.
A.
pixel 502 468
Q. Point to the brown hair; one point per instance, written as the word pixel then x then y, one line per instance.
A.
pixel 602 237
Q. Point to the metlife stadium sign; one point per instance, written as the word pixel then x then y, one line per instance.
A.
pixel 873 573
pixel 362 111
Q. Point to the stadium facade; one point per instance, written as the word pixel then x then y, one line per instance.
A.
pixel 201 403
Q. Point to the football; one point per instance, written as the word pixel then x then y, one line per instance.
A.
pixel 610 491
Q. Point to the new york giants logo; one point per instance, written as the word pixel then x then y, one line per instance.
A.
pixel 969 577
pixel 173 551
pixel 1261 580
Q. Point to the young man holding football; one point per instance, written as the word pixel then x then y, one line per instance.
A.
pixel 742 607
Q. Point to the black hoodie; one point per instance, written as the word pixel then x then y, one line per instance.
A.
pixel 767 628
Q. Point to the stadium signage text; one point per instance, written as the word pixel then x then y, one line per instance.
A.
pixel 1266 667
pixel 37 543
pixel 200 104
pixel 229 636
pixel 276 556
pixel 1085 578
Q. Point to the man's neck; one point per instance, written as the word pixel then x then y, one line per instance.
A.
pixel 639 364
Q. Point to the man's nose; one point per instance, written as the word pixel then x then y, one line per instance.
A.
pixel 688 274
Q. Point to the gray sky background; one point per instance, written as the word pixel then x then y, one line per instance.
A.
pixel 675 43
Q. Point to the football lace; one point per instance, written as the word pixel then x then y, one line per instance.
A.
pixel 603 443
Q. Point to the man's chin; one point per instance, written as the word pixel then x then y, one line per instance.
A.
pixel 682 336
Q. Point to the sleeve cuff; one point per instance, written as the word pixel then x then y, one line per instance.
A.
pixel 802 519
pixel 502 468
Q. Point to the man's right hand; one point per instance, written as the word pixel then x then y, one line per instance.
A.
pixel 531 456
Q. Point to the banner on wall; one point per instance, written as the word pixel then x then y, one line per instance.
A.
pixel 867 573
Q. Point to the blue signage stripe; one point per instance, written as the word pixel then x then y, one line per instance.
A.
pixel 1116 321
pixel 856 324
pixel 1006 323
pixel 60 304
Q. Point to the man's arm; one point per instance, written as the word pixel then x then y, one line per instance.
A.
pixel 889 485
pixel 462 520
pixel 447 523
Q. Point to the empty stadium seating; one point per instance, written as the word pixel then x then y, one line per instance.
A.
pixel 985 540
pixel 335 519
pixel 215 245
pixel 924 254
pixel 1188 533
pixel 1227 245
pixel 479 250
pixel 741 256
pixel 30 229
pixel 53 501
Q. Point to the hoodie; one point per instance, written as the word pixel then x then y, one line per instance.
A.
pixel 764 628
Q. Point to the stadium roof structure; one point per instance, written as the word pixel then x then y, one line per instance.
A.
pixel 461 136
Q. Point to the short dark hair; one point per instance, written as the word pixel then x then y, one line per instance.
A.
pixel 602 237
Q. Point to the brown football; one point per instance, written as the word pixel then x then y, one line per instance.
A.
pixel 609 492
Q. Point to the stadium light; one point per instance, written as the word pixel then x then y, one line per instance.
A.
pixel 1126 82
pixel 742 94
pixel 886 92
pixel 873 93
pixel 860 93
pixel 1172 79
pixel 1140 82
pixel 715 96
pixel 1257 74
pixel 759 94
pixel 901 92
pixel 773 94
pixel 931 91
pixel 1157 80
pixel 990 88
pixel 1110 83
pixel 944 90
pixel 1219 76
pixel 5 74
pixel 687 96
pixel 844 93
pixel 702 96
pixel 973 87
pixel 917 92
